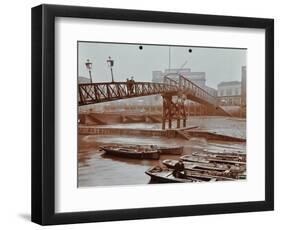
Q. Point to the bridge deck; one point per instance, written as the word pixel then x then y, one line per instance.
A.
pixel 109 91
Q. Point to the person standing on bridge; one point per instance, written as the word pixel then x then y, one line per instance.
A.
pixel 128 82
pixel 132 84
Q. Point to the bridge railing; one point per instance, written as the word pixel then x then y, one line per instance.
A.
pixel 109 91
pixel 190 88
pixel 91 93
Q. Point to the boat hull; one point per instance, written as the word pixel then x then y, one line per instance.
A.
pixel 160 175
pixel 196 166
pixel 166 176
pixel 171 150
pixel 208 159
pixel 133 155
pixel 231 156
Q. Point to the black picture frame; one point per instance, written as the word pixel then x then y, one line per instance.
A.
pixel 43 113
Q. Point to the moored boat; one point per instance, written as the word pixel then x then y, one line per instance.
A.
pixel 234 156
pixel 165 175
pixel 135 153
pixel 174 150
pixel 196 166
pixel 207 175
pixel 210 159
pixel 213 151
pixel 209 169
pixel 171 149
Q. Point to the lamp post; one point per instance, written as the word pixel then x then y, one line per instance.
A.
pixel 110 63
pixel 89 67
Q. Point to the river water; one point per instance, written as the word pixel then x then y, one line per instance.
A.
pixel 96 169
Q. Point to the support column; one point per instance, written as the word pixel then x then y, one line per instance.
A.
pixel 167 111
pixel 169 107
pixel 188 110
pixel 163 123
pixel 184 112
pixel 178 123
pixel 194 109
pixel 170 122
pixel 184 122
pixel 163 115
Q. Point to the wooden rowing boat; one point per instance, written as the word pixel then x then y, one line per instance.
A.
pixel 233 156
pixel 174 150
pixel 135 153
pixel 210 169
pixel 165 175
pixel 210 159
pixel 207 176
pixel 196 166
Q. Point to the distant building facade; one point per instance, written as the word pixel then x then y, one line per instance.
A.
pixel 229 93
pixel 198 78
pixel 243 85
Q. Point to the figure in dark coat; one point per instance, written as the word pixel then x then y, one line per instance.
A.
pixel 179 169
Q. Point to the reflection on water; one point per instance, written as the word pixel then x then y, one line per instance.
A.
pixel 96 169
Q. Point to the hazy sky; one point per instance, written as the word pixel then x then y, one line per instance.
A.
pixel 219 64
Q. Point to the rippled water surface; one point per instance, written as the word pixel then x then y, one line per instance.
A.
pixel 96 169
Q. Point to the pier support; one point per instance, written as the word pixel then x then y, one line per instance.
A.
pixel 167 111
pixel 178 123
pixel 184 122
pixel 173 110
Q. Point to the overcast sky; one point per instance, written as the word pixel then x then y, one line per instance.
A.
pixel 219 64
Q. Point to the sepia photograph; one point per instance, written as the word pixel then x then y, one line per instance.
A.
pixel 153 114
pixel 140 114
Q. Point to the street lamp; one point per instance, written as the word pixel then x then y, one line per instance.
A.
pixel 89 67
pixel 110 63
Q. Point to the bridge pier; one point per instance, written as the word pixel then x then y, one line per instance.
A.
pixel 173 111
pixel 167 111
pixel 178 123
pixel 163 124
